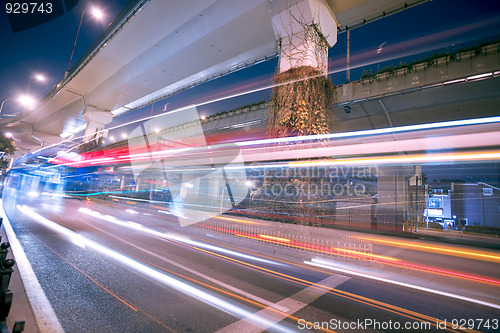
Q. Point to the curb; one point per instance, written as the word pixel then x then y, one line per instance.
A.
pixel 42 313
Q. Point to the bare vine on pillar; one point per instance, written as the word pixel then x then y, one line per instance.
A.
pixel 301 103
pixel 94 142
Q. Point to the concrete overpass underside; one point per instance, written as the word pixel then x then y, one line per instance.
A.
pixel 156 48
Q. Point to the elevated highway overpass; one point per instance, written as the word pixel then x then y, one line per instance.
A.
pixel 455 86
pixel 156 48
pixel 117 76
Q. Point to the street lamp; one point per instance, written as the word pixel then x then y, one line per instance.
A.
pixel 97 14
pixel 27 101
pixel 38 77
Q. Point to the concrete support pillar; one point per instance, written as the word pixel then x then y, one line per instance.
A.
pixel 392 195
pixel 213 187
pixel 96 121
pixel 305 30
pixel 122 183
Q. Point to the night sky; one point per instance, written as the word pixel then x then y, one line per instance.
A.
pixel 425 29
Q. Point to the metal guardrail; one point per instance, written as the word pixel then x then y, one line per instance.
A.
pixel 5 294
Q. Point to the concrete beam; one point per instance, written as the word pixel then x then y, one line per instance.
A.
pixel 96 121
pixel 305 30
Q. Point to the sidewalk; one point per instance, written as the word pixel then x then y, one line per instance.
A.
pixel 29 302
pixel 460 238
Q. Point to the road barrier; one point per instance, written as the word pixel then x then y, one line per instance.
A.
pixel 5 294
pixel 344 246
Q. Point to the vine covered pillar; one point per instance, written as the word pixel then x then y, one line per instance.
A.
pixel 301 103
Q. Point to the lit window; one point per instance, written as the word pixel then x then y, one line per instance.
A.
pixel 434 203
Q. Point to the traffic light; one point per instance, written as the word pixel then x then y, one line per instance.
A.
pixel 428 189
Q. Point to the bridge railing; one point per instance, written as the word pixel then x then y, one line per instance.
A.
pixel 460 67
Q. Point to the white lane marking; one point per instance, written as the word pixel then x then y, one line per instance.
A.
pixel 319 263
pixel 394 252
pixel 294 303
pixel 43 312
pixel 206 277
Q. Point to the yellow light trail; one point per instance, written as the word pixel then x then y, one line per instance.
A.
pixel 446 157
pixel 307 247
pixel 277 239
pixel 364 256
pixel 357 298
pixel 479 255
pixel 232 219
pixel 371 302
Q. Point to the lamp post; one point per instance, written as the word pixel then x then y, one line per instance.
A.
pixel 96 13
pixel 1 105
pixel 25 100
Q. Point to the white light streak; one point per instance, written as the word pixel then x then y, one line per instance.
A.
pixel 479 76
pixel 325 264
pixel 146 270
pixel 77 239
pixel 137 226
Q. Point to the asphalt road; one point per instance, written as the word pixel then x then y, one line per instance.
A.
pixel 118 267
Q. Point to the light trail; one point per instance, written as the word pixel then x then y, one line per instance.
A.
pixel 277 239
pixel 479 255
pixel 146 270
pixel 328 250
pixel 233 291
pixel 235 220
pixel 311 139
pixel 208 250
pixel 170 236
pixel 357 298
pixel 408 159
pixel 325 264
